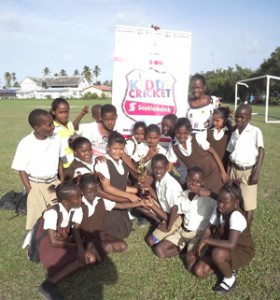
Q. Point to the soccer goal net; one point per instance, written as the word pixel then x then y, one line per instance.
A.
pixel 271 109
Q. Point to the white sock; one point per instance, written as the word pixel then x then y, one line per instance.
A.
pixel 229 281
pixel 26 240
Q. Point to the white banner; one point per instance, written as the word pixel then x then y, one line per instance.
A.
pixel 151 75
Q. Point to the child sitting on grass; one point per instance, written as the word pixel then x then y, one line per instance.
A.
pixel 168 192
pixel 196 211
pixel 59 254
pixel 228 239
pixel 94 212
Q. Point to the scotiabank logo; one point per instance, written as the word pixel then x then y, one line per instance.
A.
pixel 149 94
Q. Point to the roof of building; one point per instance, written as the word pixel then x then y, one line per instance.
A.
pixel 101 87
pixel 58 80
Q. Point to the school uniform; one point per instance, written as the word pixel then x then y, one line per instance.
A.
pixel 143 150
pixel 244 250
pixel 168 193
pixel 243 149
pixel 195 156
pixel 40 160
pixel 117 221
pixel 196 214
pixel 78 167
pixel 92 225
pixel 64 132
pixel 53 258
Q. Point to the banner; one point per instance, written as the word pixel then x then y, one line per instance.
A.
pixel 150 76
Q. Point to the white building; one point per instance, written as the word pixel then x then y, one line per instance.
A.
pixel 52 87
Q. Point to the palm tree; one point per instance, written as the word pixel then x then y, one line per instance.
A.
pixel 55 74
pixel 14 78
pixel 96 71
pixel 87 73
pixel 46 71
pixel 62 72
pixel 8 78
pixel 76 72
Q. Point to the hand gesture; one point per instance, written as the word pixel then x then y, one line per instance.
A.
pixel 133 198
pixel 151 153
pixel 85 110
pixel 199 247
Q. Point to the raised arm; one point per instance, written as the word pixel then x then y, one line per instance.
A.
pixel 78 119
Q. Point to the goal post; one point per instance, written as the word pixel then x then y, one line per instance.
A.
pixel 244 83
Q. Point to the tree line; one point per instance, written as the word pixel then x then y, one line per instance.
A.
pixel 220 82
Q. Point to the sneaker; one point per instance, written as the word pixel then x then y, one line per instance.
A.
pixel 223 288
pixel 47 290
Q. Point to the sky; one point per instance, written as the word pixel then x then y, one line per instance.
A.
pixel 69 34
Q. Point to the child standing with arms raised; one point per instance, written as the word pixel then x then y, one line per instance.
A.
pixel 228 238
pixel 246 150
pixel 38 161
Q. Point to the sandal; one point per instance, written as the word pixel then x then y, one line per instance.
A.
pixel 223 288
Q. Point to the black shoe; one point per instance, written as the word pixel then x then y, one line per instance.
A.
pixel 223 288
pixel 47 290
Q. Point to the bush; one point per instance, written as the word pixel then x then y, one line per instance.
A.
pixel 274 101
pixel 94 96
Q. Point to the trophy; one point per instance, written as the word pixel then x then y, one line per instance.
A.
pixel 143 192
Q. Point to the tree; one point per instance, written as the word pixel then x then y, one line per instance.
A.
pixel 62 72
pixel 76 72
pixel 108 83
pixel 96 71
pixel 8 78
pixel 87 73
pixel 55 74
pixel 46 71
pixel 14 78
pixel 270 66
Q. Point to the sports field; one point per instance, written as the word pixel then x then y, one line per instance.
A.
pixel 137 274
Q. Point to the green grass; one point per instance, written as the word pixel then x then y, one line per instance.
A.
pixel 137 273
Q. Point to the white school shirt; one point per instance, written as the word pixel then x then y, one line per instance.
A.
pixel 236 222
pixel 144 149
pixel 172 157
pixel 217 135
pixel 51 216
pixel 168 192
pixel 38 158
pixel 197 212
pixel 83 170
pixel 244 147
pixel 102 167
pixel 132 149
pixel 109 205
pixel 98 142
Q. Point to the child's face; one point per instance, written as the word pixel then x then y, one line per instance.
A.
pixel 139 134
pixel 194 181
pixel 96 114
pixel 182 134
pixel 84 152
pixel 226 204
pixel 74 200
pixel 45 128
pixel 197 88
pixel 61 113
pixel 109 120
pixel 159 169
pixel 90 191
pixel 242 117
pixel 218 121
pixel 116 151
pixel 152 139
pixel 167 127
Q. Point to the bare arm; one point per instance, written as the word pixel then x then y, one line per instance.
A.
pixel 25 181
pixel 173 216
pixel 60 171
pixel 78 119
pixel 156 209
pixel 104 195
pixel 256 170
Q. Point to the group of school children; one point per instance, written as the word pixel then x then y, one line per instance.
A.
pixel 198 193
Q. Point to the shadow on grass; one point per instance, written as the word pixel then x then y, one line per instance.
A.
pixel 89 283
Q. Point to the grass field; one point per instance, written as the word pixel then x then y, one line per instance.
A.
pixel 137 274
